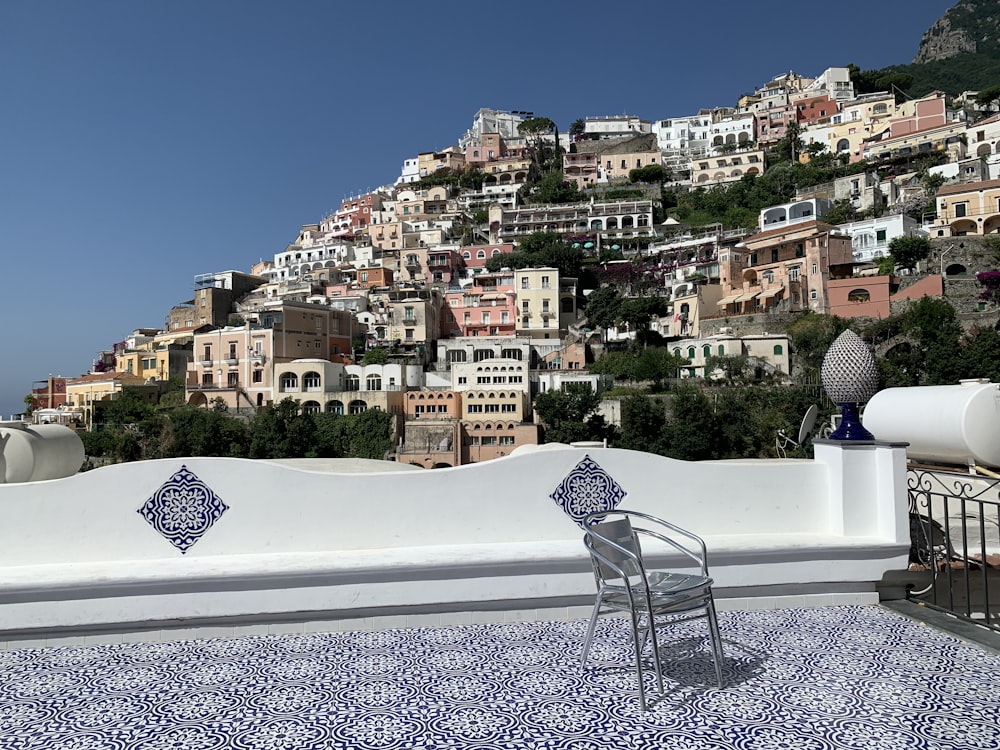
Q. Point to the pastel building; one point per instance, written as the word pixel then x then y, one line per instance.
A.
pixel 236 363
pixel 546 304
pixel 88 395
pixel 969 208
pixel 487 307
pixel 768 353
pixel 785 269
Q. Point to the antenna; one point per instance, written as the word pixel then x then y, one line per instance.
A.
pixel 808 422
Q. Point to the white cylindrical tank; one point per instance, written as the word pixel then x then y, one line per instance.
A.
pixel 36 452
pixel 954 424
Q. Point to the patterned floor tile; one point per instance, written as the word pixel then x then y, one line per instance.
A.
pixel 839 678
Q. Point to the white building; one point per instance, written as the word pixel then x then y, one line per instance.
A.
pixel 870 238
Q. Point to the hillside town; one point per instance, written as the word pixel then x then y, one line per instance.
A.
pixel 400 299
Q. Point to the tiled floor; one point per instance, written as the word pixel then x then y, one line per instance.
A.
pixel 805 679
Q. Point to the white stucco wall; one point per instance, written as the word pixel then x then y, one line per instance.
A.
pixel 293 541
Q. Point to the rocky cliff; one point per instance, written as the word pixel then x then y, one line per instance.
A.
pixel 968 26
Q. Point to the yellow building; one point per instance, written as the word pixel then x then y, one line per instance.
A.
pixel 89 394
pixel 971 208
pixel 546 304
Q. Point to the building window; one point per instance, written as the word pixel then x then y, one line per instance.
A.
pixel 813 271
pixel 961 209
pixel 373 383
pixel 793 273
pixel 257 376
pixel 813 294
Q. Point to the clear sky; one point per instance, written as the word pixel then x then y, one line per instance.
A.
pixel 145 142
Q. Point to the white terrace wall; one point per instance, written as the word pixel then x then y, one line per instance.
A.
pixel 103 549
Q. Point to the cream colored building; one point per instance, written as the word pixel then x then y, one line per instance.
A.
pixel 88 394
pixel 479 405
pixel 546 304
pixel 970 208
pixel 769 352
pixel 715 170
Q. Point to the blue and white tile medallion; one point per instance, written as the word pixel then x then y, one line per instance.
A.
pixel 587 489
pixel 183 509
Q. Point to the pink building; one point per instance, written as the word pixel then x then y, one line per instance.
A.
pixel 487 308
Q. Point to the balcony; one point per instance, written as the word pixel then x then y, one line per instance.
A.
pixel 406 659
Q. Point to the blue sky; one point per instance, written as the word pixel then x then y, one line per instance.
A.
pixel 142 143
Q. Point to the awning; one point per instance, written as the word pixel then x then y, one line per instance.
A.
pixel 747 296
pixel 768 293
pixel 727 300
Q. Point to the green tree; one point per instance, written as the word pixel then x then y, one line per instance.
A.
pixel 731 366
pixel 369 434
pixel 553 187
pixel 190 431
pixel 375 356
pixel 569 414
pixel 811 335
pixel 907 251
pixel 932 323
pixel 281 431
pixel 693 432
pixel 654 174
pixel 129 408
pixel 603 308
pixel 577 128
pixel 980 354
pixel 643 422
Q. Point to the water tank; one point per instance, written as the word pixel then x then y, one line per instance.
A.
pixel 36 452
pixel 952 424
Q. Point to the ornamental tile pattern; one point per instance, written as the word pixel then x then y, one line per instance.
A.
pixel 183 509
pixel 587 489
pixel 836 678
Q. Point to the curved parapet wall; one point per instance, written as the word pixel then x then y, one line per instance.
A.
pixel 951 424
pixel 209 539
pixel 38 452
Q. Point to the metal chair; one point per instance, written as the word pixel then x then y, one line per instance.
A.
pixel 624 584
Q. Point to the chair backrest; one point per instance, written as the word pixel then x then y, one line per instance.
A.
pixel 614 549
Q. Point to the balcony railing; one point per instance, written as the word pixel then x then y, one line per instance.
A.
pixel 955 538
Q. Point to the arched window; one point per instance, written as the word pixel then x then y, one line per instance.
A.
pixel 778 350
pixel 310 407
pixel 690 352
pixel 706 350
pixel 481 255
pixel 357 407
pixel 677 351
pixel 373 383
pixel 722 350
pixel 334 407
pixel 858 295
pixel 311 381
pixel 843 145
pixel 289 382
pixel 353 383
pixel 466 255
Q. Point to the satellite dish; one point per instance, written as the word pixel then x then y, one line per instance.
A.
pixel 808 422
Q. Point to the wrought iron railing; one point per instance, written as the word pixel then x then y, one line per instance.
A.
pixel 955 539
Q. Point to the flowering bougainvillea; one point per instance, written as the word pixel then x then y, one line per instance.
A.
pixel 991 285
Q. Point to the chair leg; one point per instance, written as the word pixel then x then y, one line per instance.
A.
pixel 656 653
pixel 716 638
pixel 590 632
pixel 638 660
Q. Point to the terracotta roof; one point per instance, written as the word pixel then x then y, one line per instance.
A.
pixel 969 187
